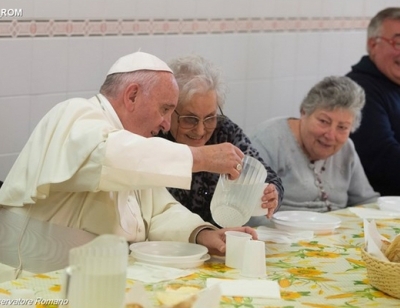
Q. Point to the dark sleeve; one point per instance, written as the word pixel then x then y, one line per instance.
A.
pixel 377 139
pixel 231 132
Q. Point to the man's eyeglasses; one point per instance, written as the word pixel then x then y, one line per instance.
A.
pixel 188 122
pixel 394 42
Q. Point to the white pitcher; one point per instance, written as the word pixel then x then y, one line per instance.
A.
pixel 96 276
pixel 235 201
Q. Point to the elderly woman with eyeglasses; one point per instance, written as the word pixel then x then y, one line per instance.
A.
pixel 313 154
pixel 198 120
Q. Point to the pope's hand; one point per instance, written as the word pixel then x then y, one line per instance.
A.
pixel 214 240
pixel 223 158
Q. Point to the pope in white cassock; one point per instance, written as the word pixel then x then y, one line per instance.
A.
pixel 91 168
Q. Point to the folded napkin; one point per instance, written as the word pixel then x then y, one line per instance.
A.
pixel 243 287
pixel 373 240
pixel 373 213
pixel 138 295
pixel 154 273
pixel 282 237
pixel 208 297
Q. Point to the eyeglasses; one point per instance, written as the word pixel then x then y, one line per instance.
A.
pixel 188 122
pixel 394 42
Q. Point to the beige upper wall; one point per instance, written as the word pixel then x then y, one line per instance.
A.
pixel 271 52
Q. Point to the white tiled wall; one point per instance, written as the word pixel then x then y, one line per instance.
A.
pixel 268 72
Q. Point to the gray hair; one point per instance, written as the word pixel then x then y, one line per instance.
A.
pixel 194 74
pixel 116 83
pixel 335 92
pixel 375 25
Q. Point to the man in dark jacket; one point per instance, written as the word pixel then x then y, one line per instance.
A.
pixel 377 140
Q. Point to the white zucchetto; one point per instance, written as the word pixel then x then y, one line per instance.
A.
pixel 138 61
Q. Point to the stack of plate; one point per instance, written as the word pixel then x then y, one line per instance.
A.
pixel 304 220
pixel 172 254
pixel 389 203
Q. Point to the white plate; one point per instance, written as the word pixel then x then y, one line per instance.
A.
pixel 305 226
pixel 389 203
pixel 280 236
pixel 306 218
pixel 296 228
pixel 176 264
pixel 168 251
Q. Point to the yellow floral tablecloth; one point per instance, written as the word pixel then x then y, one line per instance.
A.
pixel 324 272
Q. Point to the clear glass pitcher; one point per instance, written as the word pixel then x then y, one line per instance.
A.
pixel 96 276
pixel 234 201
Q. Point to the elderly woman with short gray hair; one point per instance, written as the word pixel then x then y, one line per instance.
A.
pixel 313 154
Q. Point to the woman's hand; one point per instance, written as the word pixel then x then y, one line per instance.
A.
pixel 270 199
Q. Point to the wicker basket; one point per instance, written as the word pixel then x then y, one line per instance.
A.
pixel 383 275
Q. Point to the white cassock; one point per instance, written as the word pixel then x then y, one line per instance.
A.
pixel 81 169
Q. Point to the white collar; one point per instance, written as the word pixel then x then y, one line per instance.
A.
pixel 109 111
